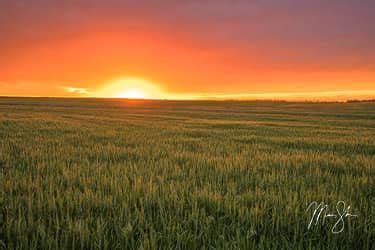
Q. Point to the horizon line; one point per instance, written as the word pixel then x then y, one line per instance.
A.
pixel 312 96
pixel 371 99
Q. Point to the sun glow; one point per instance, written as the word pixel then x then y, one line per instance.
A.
pixel 132 94
pixel 130 88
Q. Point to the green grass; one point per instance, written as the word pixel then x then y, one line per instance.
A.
pixel 117 174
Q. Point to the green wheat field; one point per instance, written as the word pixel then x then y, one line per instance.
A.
pixel 126 174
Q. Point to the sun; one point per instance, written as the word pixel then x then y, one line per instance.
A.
pixel 132 94
pixel 130 88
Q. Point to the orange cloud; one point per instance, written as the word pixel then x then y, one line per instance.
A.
pixel 74 90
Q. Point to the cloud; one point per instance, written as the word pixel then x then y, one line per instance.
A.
pixel 75 90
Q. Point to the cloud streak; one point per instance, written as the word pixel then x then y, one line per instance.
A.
pixel 75 90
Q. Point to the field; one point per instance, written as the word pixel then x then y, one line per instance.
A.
pixel 122 174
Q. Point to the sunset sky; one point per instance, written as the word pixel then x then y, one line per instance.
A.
pixel 188 49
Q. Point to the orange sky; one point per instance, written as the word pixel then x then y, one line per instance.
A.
pixel 217 49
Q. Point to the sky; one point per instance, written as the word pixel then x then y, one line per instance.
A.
pixel 189 49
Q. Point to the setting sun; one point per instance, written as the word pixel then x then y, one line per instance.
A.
pixel 131 88
pixel 132 94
